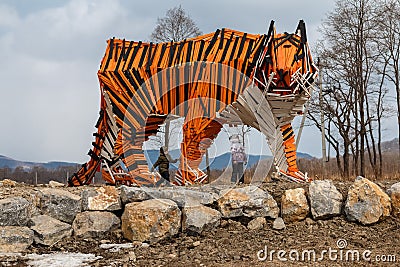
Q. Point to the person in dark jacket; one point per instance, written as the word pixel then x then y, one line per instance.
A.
pixel 163 163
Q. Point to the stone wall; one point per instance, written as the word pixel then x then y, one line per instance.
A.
pixel 152 214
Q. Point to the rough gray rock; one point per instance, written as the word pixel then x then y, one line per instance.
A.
pixel 325 200
pixel 54 184
pixel 366 202
pixel 294 205
pixel 48 230
pixel 199 218
pixel 257 223
pixel 95 224
pixel 151 220
pixel 15 238
pixel 249 201
pixel 278 224
pixel 394 194
pixel 213 189
pixel 57 203
pixel 104 198
pixel 133 194
pixel 181 195
pixel 15 211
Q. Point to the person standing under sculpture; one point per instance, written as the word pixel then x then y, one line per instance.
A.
pixel 163 163
pixel 239 158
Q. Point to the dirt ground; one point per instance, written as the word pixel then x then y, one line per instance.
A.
pixel 335 242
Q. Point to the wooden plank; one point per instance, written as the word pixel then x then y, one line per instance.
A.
pixel 264 115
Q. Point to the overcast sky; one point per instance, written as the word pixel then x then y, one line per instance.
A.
pixel 50 52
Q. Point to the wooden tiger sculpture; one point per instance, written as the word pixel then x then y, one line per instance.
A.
pixel 224 77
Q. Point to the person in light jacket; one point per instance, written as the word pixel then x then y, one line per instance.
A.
pixel 239 158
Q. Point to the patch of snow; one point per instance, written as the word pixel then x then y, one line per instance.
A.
pixel 116 247
pixel 61 259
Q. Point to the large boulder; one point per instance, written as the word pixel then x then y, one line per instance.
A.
pixel 294 205
pixel 15 238
pixel 15 211
pixel 133 194
pixel 366 202
pixel 325 200
pixel 394 194
pixel 57 203
pixel 216 190
pixel 249 201
pixel 48 230
pixel 198 219
pixel 105 198
pixel 212 188
pixel 181 195
pixel 151 220
pixel 95 224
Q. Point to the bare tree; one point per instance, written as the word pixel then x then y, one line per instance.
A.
pixel 175 26
pixel 389 44
pixel 244 129
pixel 338 111
pixel 241 130
pixel 354 101
pixel 168 131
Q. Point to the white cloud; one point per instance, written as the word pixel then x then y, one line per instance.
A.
pixel 50 80
pixel 8 16
pixel 67 32
pixel 50 52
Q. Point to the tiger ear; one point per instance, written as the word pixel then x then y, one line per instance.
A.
pixel 301 31
pixel 271 30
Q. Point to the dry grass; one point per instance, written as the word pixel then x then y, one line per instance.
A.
pixel 315 168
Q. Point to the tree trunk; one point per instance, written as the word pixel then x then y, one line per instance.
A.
pixel 398 99
pixel 346 158
pixel 166 134
pixel 339 164
pixel 371 145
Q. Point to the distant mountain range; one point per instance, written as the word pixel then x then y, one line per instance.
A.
pixel 390 146
pixel 218 163
pixel 27 165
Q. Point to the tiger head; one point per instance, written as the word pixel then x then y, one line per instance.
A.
pixel 285 66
